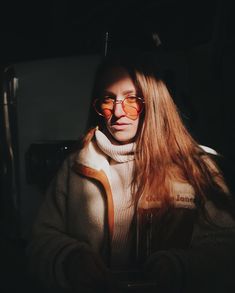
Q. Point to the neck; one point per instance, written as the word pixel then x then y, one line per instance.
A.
pixel 118 152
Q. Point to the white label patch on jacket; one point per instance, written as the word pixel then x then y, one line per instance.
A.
pixel 183 195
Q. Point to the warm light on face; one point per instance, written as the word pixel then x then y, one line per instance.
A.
pixel 132 106
pixel 120 106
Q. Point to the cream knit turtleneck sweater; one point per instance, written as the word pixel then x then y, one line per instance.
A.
pixel 121 159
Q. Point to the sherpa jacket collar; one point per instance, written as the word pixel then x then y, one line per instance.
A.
pixel 93 163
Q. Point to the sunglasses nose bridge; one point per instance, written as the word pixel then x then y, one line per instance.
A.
pixel 117 111
pixel 118 102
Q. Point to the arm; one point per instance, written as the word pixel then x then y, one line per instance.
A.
pixel 55 256
pixel 208 264
pixel 211 256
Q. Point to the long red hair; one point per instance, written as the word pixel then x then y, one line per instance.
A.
pixel 165 150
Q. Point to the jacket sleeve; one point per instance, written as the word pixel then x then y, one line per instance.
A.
pixel 208 265
pixel 50 244
pixel 211 257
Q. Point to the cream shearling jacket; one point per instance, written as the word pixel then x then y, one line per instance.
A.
pixel 78 211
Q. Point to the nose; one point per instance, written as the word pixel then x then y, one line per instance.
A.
pixel 118 109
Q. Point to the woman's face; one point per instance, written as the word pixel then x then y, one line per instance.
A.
pixel 121 126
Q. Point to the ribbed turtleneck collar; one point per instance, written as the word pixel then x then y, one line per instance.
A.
pixel 120 153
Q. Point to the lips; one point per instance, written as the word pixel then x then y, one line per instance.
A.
pixel 119 125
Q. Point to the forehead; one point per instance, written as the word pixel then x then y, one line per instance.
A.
pixel 118 78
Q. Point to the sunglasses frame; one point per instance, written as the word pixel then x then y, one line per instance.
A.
pixel 118 102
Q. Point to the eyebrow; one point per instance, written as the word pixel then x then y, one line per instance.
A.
pixel 124 93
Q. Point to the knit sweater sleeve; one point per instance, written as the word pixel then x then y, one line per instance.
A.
pixel 50 244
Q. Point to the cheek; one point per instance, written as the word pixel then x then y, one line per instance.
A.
pixel 137 124
pixel 107 122
pixel 107 114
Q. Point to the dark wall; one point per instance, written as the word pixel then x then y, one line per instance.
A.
pixel 198 47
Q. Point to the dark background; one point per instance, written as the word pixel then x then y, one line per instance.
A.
pixel 201 31
pixel 38 29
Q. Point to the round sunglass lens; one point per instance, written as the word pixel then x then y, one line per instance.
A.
pixel 132 105
pixel 104 107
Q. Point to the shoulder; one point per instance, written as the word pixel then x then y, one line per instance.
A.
pixel 88 156
pixel 220 217
pixel 220 165
pixel 209 150
pixel 211 158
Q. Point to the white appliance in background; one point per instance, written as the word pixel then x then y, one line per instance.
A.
pixel 52 101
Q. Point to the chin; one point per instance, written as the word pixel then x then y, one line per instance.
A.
pixel 122 138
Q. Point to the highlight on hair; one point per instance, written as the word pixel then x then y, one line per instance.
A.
pixel 165 150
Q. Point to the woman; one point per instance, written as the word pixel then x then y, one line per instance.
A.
pixel 139 194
